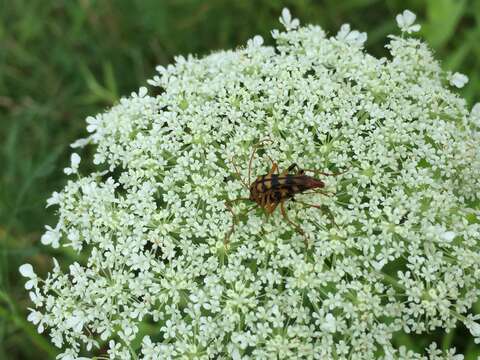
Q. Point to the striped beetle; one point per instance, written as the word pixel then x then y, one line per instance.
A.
pixel 273 189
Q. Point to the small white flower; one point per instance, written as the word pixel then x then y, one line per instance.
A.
pixel 93 123
pixel 457 79
pixel 287 21
pixel 35 317
pixel 75 322
pixel 75 159
pixel 80 143
pixel 474 328
pixel 142 92
pixel 475 111
pixel 351 37
pixel 436 232
pixel 406 20
pixel 475 115
pixel 74 162
pixel 235 354
pixel 378 265
pixel 256 41
pixel 54 199
pixel 448 236
pixel 51 236
pixel 56 265
pixel 26 270
pixel 105 334
pixel 330 324
pixel 35 296
pixel 70 355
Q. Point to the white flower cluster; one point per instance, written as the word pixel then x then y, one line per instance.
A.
pixel 395 248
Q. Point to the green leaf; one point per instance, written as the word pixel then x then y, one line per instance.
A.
pixel 455 59
pixel 443 18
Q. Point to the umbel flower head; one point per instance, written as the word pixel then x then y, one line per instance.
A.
pixel 393 249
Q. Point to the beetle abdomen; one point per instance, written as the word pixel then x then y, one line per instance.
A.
pixel 279 187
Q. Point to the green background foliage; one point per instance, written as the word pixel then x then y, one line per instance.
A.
pixel 61 61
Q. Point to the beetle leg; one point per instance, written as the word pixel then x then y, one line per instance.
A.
pixel 255 148
pixel 270 207
pixel 296 226
pixel 322 208
pixel 324 173
pixel 274 164
pixel 238 174
pixel 274 168
pixel 234 217
pixel 289 169
pixel 318 191
pixel 294 166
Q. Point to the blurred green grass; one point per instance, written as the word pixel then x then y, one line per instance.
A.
pixel 63 60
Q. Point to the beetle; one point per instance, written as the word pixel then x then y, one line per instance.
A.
pixel 274 188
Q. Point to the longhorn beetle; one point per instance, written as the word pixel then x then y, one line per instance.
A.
pixel 273 189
